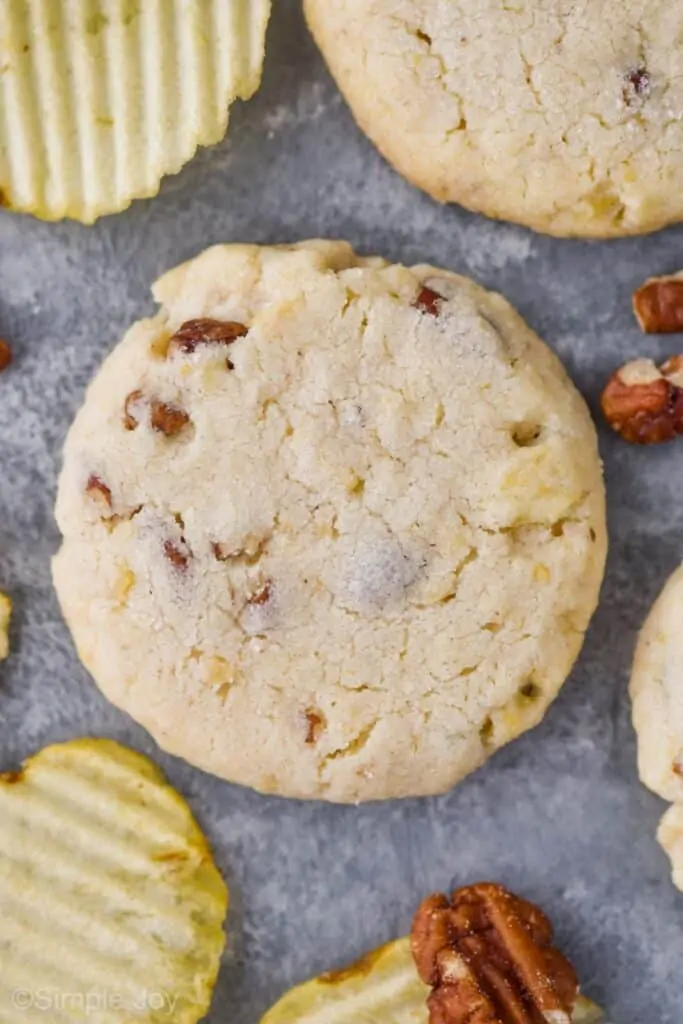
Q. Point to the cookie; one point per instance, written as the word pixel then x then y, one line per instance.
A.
pixel 656 691
pixel 560 116
pixel 111 906
pixel 332 528
pixel 100 100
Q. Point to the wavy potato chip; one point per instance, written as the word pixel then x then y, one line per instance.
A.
pixel 111 907
pixel 5 616
pixel 381 988
pixel 99 99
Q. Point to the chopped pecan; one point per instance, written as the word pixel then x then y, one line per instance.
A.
pixel 637 85
pixel 177 553
pixel 205 331
pixel 489 959
pixel 428 301
pixel 167 419
pixel 131 410
pixel 98 490
pixel 262 595
pixel 164 418
pixel 250 551
pixel 5 355
pixel 644 403
pixel 658 305
pixel 316 723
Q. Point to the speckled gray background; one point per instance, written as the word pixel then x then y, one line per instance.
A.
pixel 560 814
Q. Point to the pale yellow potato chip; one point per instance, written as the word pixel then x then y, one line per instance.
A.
pixel 111 907
pixel 382 988
pixel 5 616
pixel 99 99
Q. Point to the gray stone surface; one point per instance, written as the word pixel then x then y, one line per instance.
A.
pixel 560 814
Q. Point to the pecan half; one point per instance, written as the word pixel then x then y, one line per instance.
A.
pixel 428 301
pixel 5 355
pixel 658 305
pixel 205 331
pixel 489 959
pixel 644 403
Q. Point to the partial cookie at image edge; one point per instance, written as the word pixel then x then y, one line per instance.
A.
pixel 570 134
pixel 656 685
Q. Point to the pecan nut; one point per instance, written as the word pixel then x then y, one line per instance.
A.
pixel 5 355
pixel 262 595
pixel 644 403
pixel 658 305
pixel 164 418
pixel 205 331
pixel 489 959
pixel 177 553
pixel 428 301
pixel 315 725
pixel 96 489
pixel 637 85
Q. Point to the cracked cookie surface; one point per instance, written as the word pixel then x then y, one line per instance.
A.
pixel 557 114
pixel 657 695
pixel 361 551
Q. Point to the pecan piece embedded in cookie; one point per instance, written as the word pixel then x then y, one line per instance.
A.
pixel 205 331
pixel 428 301
pixel 167 419
pixel 489 959
pixel 637 85
pixel 315 725
pixel 164 418
pixel 261 596
pixel 98 490
pixel 177 553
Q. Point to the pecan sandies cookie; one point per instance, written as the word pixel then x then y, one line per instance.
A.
pixel 560 116
pixel 333 528
pixel 657 694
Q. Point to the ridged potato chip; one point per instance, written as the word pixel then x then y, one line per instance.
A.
pixel 5 616
pixel 111 907
pixel 381 988
pixel 99 99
